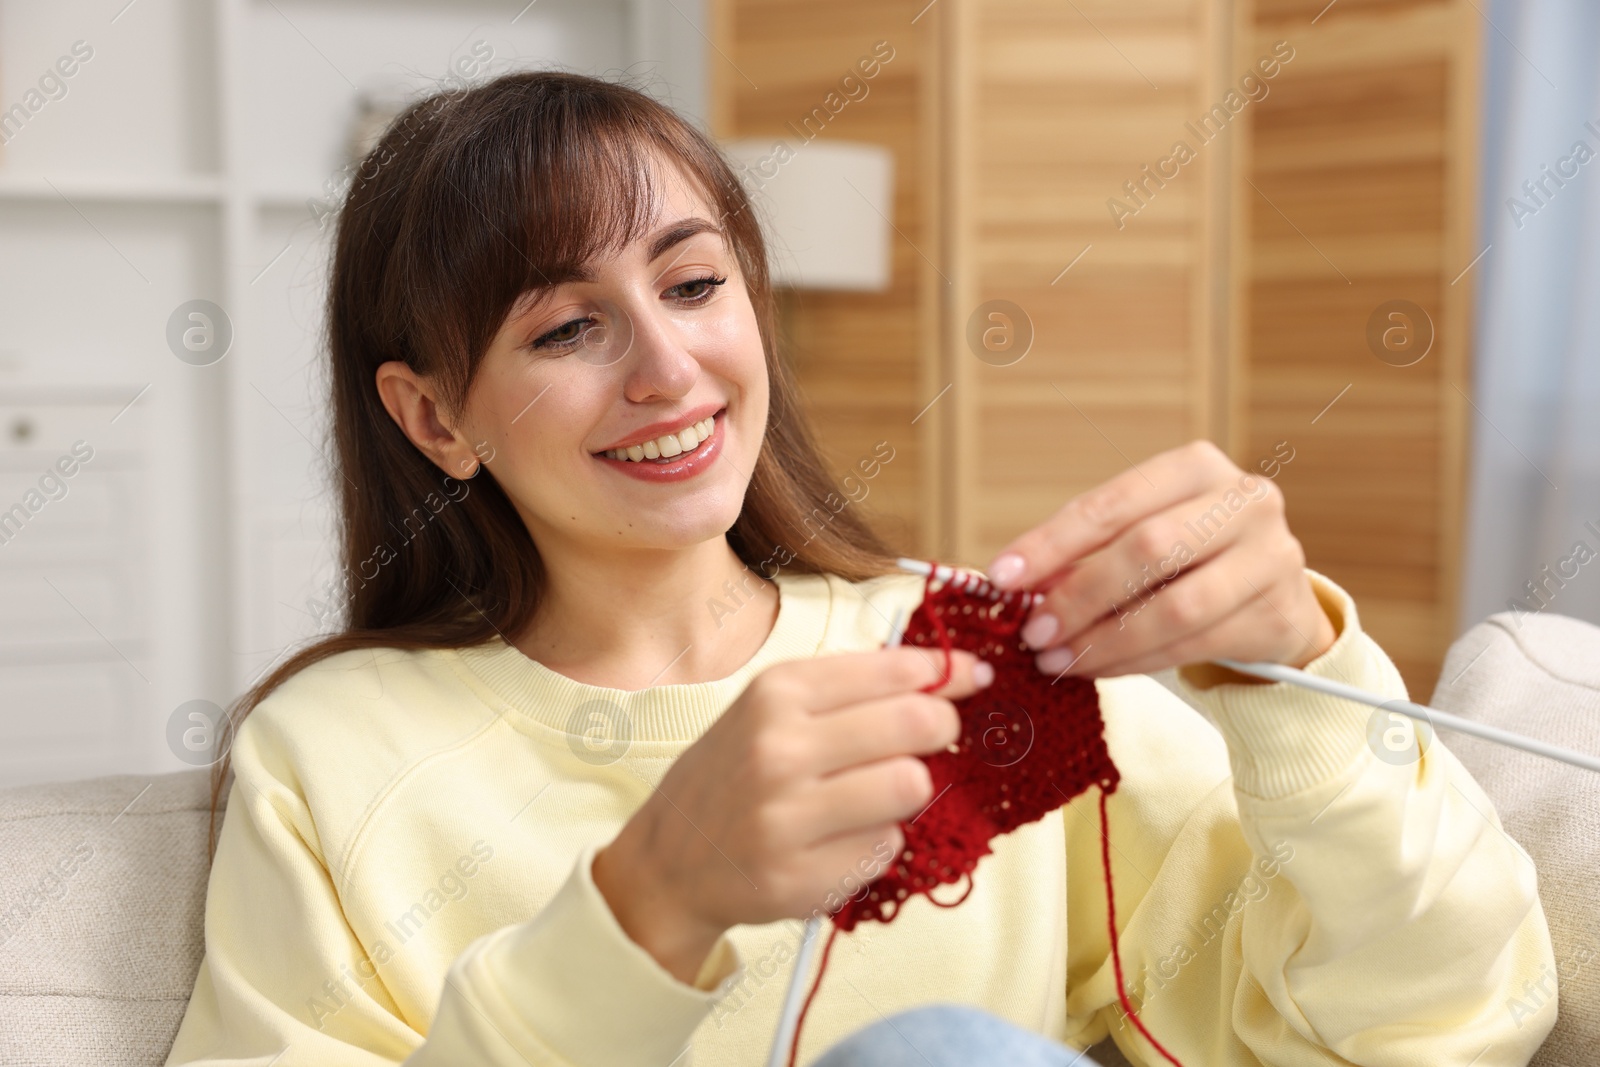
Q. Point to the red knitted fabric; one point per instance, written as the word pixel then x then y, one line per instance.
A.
pixel 1028 745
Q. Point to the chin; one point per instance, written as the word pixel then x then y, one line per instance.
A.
pixel 684 523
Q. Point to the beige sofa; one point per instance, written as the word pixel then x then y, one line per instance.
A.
pixel 102 888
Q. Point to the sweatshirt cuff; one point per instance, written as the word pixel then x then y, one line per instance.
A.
pixel 1282 738
pixel 591 993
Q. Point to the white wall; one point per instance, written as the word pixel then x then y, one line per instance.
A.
pixel 183 159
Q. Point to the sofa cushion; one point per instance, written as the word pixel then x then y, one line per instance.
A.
pixel 102 928
pixel 1539 675
pixel 102 905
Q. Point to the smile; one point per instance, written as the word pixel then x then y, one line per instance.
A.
pixel 673 456
pixel 667 445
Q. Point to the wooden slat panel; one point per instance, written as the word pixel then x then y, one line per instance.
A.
pixel 1227 306
pixel 1069 103
pixel 1358 161
pixel 863 359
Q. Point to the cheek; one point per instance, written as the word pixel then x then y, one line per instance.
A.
pixel 542 465
pixel 732 350
pixel 539 414
pixel 565 407
pixel 730 340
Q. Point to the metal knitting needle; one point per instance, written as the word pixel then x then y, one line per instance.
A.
pixel 1277 672
pixel 790 1015
pixel 975 583
pixel 797 988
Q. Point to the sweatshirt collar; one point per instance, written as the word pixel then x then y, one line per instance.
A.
pixel 668 713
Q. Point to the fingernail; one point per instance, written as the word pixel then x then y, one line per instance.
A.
pixel 1054 661
pixel 1040 629
pixel 1006 569
pixel 982 674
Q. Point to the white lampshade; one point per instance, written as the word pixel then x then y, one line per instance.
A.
pixel 825 208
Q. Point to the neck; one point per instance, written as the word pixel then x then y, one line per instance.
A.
pixel 635 618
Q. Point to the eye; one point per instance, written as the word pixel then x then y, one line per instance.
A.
pixel 697 291
pixel 564 336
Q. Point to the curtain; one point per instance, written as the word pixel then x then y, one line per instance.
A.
pixel 1533 512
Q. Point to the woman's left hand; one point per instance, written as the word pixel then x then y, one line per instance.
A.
pixel 1182 559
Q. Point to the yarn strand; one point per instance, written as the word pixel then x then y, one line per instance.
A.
pixel 1111 924
pixel 1065 748
pixel 822 965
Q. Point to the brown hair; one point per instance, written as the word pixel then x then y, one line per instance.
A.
pixel 469 200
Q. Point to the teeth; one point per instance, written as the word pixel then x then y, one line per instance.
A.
pixel 668 445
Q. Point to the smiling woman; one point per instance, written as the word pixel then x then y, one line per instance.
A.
pixel 575 244
pixel 556 287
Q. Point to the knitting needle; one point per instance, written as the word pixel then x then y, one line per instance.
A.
pixel 790 1015
pixel 1277 672
pixel 791 998
pixel 975 583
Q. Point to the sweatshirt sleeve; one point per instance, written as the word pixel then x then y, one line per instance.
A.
pixel 1325 897
pixel 285 980
pixel 570 987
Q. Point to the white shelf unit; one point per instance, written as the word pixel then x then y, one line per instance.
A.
pixel 179 162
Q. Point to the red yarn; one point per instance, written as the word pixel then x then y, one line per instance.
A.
pixel 1027 746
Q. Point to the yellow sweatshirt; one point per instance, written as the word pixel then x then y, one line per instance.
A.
pixel 403 875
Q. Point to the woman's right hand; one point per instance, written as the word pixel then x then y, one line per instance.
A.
pixel 808 774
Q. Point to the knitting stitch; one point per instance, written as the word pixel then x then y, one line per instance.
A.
pixel 1028 745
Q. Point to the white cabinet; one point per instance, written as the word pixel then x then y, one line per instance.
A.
pixel 191 154
pixel 75 655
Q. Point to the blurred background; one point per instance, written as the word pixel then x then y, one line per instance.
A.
pixel 1027 243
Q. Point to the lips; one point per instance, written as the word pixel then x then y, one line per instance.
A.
pixel 657 430
pixel 667 445
pixel 701 456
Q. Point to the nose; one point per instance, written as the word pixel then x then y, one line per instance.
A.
pixel 659 363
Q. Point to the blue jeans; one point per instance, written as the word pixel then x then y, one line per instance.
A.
pixel 948 1035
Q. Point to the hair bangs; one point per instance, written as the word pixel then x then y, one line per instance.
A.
pixel 553 176
pixel 592 187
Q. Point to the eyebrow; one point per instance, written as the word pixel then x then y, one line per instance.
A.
pixel 680 231
pixel 674 234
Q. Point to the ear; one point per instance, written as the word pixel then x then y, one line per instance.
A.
pixel 412 401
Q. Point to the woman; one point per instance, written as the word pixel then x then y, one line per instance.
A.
pixel 608 718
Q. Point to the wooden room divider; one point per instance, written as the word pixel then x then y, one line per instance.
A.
pixel 1119 226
